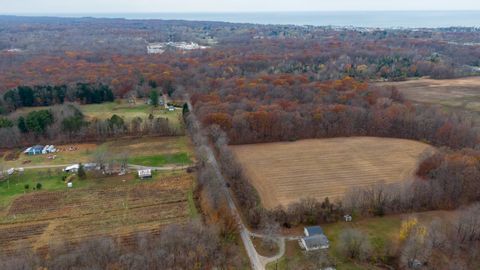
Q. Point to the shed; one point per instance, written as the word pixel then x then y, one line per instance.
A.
pixel 143 174
pixel 313 230
pixel 315 242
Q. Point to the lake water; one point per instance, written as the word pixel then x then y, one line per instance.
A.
pixel 382 19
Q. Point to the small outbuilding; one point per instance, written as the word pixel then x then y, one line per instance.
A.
pixel 73 168
pixel 144 174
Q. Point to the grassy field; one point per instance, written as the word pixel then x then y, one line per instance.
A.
pixel 382 232
pixel 117 206
pixel 148 151
pixel 128 111
pixel 284 172
pixel 460 93
pixel 121 108
pixel 160 160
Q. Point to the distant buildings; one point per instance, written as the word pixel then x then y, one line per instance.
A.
pixel 314 239
pixel 159 48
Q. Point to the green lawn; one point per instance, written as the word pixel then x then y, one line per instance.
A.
pixel 129 111
pixel 160 160
pixel 14 185
pixel 381 231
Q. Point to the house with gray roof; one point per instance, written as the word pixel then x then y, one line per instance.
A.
pixel 315 242
pixel 314 239
pixel 313 230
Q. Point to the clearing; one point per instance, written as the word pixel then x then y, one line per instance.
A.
pixel 122 108
pixel 463 93
pixel 285 172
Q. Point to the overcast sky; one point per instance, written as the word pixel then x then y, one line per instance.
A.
pixel 105 6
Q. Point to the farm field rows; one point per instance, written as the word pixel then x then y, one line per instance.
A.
pixel 460 93
pixel 285 172
pixel 117 207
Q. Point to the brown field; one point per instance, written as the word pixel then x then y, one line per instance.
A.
pixel 463 93
pixel 284 172
pixel 116 208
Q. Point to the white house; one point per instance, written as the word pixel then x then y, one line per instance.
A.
pixel 315 242
pixel 314 239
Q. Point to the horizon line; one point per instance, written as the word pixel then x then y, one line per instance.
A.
pixel 229 12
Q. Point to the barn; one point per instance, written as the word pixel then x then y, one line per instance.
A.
pixel 34 150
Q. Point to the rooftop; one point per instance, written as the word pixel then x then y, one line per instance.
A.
pixel 313 230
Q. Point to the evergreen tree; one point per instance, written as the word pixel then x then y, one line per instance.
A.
pixel 154 98
pixel 81 172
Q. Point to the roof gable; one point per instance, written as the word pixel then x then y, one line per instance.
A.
pixel 316 241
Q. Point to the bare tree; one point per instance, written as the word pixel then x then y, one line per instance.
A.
pixel 101 157
pixel 354 244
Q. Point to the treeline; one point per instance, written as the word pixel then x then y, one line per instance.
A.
pixel 66 123
pixel 447 180
pixel 288 107
pixel 47 95
pixel 189 246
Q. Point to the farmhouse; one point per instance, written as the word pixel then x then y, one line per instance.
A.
pixel 315 242
pixel 314 239
pixel 144 174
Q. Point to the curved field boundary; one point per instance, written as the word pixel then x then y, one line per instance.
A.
pixel 288 171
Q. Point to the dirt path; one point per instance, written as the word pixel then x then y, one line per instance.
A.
pixel 131 166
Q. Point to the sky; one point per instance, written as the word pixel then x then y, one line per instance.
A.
pixel 134 6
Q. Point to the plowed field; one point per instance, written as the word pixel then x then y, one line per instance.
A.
pixel 285 172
